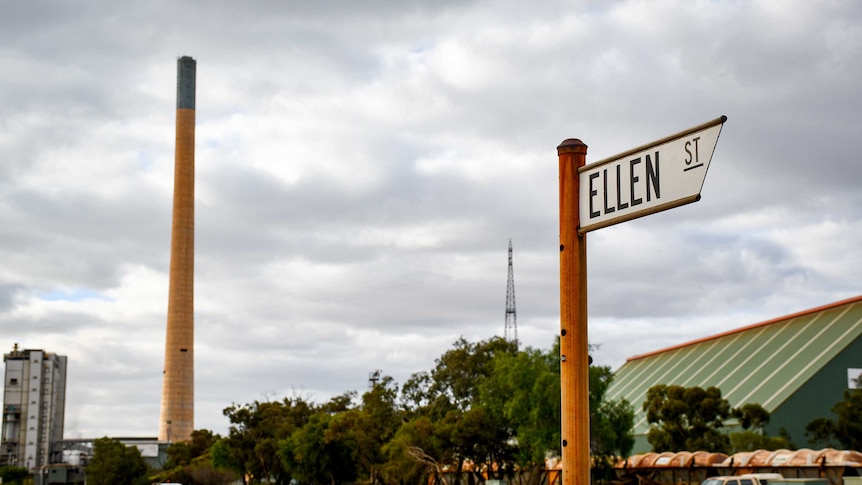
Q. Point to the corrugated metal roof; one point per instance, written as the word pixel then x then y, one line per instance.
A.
pixel 762 363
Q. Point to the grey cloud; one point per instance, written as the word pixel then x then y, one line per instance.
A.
pixel 298 280
pixel 7 295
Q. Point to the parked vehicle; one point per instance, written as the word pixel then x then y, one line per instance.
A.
pixel 747 479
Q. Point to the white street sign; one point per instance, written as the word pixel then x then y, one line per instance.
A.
pixel 651 178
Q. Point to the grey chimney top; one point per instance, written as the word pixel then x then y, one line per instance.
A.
pixel 186 68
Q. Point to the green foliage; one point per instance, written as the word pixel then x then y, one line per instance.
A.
pixel 252 446
pixel 611 424
pixel 379 420
pixel 311 455
pixel 692 418
pixel 484 403
pixel 686 418
pixel 182 453
pixel 13 475
pixel 339 404
pixel 848 425
pixel 369 427
pixel 114 462
pixel 821 433
pixel 523 393
pixel 751 415
pixel 416 393
pixel 420 447
pixel 459 371
pixel 204 474
pixel 845 430
pixel 600 379
pixel 192 462
pixel 610 430
pixel 449 398
pixel 483 439
pixel 750 440
pixel 226 457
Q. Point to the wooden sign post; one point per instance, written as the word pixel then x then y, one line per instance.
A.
pixel 574 356
pixel 651 178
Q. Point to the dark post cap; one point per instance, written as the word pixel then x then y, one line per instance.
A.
pixel 571 145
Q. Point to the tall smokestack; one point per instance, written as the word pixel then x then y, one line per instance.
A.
pixel 178 384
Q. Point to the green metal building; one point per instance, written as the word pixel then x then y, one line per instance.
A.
pixel 797 367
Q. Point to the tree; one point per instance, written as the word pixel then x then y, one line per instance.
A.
pixel 611 434
pixel 208 475
pixel 483 439
pixel 821 433
pixel 341 443
pixel 750 440
pixel 227 457
pixel 474 435
pixel 114 462
pixel 448 396
pixel 753 417
pixel 370 427
pixel 843 431
pixel 686 418
pixel 14 475
pixel 419 450
pixel 182 453
pixel 484 403
pixel 313 454
pixel 498 408
pixel 611 422
pixel 251 448
pixel 193 462
pixel 416 394
pixel 523 394
pixel 459 371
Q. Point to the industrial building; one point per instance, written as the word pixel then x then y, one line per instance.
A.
pixel 797 367
pixel 34 402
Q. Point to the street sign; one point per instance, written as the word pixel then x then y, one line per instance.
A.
pixel 650 178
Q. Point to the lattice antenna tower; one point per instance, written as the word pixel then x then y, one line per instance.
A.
pixel 511 329
pixel 373 378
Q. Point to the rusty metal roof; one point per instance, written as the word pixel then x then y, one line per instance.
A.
pixel 748 459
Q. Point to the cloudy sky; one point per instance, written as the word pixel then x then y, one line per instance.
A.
pixel 361 167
